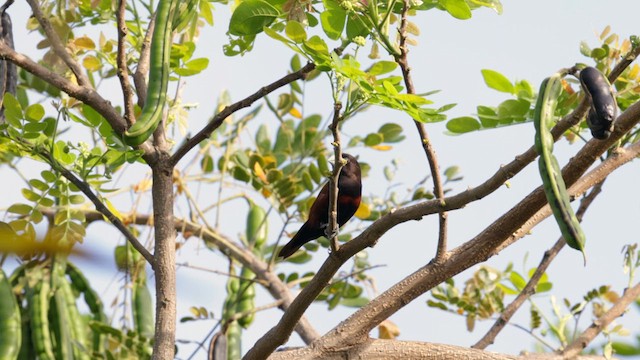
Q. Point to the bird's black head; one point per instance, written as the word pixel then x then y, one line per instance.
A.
pixel 350 174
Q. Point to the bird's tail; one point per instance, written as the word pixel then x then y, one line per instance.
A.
pixel 303 236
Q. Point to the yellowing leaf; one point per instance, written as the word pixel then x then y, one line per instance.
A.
pixel 382 147
pixel 142 186
pixel 388 330
pixel 113 209
pixel 633 73
pixel 85 43
pixel 295 113
pixel 91 63
pixel 363 212
pixel 257 169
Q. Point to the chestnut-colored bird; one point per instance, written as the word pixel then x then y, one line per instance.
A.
pixel 349 196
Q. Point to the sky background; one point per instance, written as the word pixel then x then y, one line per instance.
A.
pixel 530 40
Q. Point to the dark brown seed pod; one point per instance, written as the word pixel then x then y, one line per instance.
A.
pixel 603 102
pixel 600 129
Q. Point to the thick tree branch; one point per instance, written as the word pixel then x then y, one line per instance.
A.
pixel 530 288
pixel 332 228
pixel 86 95
pixel 356 328
pixel 630 295
pixel 228 110
pixel 378 349
pixel 123 69
pixel 165 255
pixel 427 146
pixel 58 46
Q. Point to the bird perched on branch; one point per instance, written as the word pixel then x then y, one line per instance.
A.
pixel 349 196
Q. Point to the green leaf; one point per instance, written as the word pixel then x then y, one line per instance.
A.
pixel 373 139
pixel 198 64
pixel 333 21
pixel 91 115
pixel 463 124
pixel 30 195
pixel 12 110
pixel 436 304
pixel 354 302
pixel 206 164
pixel 20 209
pixel 34 112
pixel 517 280
pixel 459 9
pixel 295 31
pixel 251 16
pixel 356 27
pixel 543 287
pixel 391 133
pixel 382 67
pixel 497 81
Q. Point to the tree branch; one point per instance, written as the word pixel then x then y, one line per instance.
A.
pixel 573 349
pixel 378 349
pixel 165 255
pixel 140 76
pixel 332 229
pixel 58 47
pixel 86 95
pixel 123 69
pixel 228 110
pixel 530 288
pixel 427 146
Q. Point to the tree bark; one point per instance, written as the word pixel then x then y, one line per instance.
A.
pixel 165 263
pixel 378 349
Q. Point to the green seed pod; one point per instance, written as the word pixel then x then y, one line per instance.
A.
pixel 142 308
pixel 161 42
pixel 38 300
pixel 257 227
pixel 10 325
pixel 553 183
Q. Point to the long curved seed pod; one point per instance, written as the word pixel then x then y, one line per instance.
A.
pixel 603 102
pixel 161 42
pixel 80 283
pixel 553 183
pixel 38 299
pixel 10 326
pixel 78 327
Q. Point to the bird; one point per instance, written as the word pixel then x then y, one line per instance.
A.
pixel 349 197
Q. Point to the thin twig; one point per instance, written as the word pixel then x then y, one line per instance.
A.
pixel 123 69
pixel 86 189
pixel 58 46
pixel 332 229
pixel 620 306
pixel 427 146
pixel 140 76
pixel 228 110
pixel 529 289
